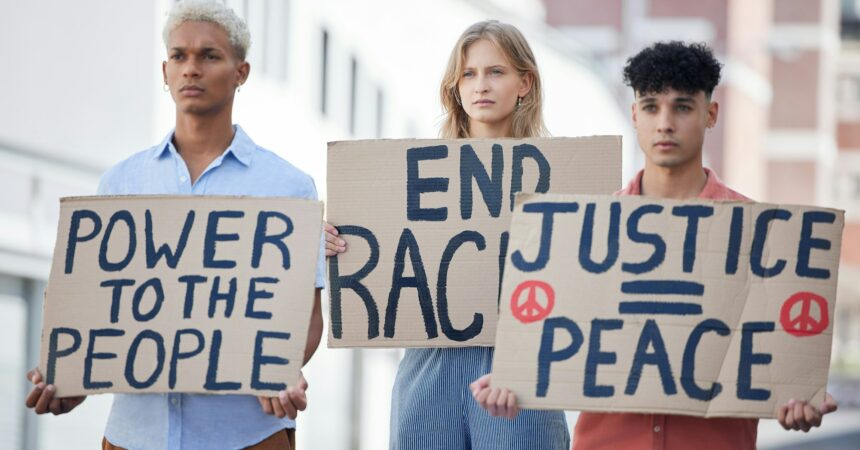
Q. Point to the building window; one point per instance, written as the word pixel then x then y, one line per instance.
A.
pixel 850 20
pixel 380 102
pixel 324 73
pixel 276 41
pixel 848 96
pixel 353 94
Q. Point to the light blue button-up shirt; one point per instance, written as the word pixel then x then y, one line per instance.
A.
pixel 195 421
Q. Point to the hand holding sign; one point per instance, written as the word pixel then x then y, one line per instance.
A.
pixel 42 400
pixel 802 416
pixel 333 243
pixel 497 402
pixel 289 402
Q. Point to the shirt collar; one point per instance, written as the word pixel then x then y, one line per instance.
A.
pixel 713 185
pixel 242 147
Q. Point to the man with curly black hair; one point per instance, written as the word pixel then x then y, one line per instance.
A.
pixel 672 84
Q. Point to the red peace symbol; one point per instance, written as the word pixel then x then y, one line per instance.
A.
pixel 531 310
pixel 804 324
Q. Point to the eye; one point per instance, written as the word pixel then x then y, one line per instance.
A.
pixel 176 57
pixel 496 71
pixel 468 74
pixel 649 108
pixel 211 57
pixel 683 108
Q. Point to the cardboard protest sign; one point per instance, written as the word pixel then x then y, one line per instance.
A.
pixel 180 294
pixel 644 305
pixel 426 224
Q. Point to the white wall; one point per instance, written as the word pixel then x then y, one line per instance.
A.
pixel 76 77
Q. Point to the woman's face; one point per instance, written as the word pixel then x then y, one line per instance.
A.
pixel 489 86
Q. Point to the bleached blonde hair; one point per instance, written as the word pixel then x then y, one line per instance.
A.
pixel 528 116
pixel 213 12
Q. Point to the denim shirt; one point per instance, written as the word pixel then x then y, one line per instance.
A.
pixel 198 421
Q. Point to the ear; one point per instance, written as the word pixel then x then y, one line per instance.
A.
pixel 242 72
pixel 633 113
pixel 526 84
pixel 164 71
pixel 713 113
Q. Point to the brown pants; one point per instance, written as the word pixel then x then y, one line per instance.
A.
pixel 282 440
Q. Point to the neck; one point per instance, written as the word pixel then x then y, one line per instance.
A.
pixel 480 130
pixel 679 183
pixel 202 136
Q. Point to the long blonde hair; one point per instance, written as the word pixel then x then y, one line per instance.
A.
pixel 527 117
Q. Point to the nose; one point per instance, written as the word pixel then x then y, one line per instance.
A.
pixel 190 69
pixel 665 122
pixel 481 84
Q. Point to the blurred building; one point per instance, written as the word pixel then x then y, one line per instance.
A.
pixel 845 186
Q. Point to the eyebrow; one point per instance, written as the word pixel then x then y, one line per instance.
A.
pixel 203 50
pixel 682 99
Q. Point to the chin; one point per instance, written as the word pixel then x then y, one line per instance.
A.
pixel 672 163
pixel 193 109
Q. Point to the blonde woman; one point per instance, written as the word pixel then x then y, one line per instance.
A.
pixel 491 89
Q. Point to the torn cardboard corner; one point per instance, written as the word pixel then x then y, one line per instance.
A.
pixel 180 294
pixel 634 304
pixel 426 226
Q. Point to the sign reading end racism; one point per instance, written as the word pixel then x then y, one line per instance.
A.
pixel 643 305
pixel 180 294
pixel 426 224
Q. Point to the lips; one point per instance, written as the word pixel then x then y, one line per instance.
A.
pixel 665 144
pixel 191 90
pixel 483 102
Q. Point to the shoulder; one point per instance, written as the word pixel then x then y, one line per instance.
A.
pixel 284 174
pixel 716 189
pixel 735 195
pixel 120 173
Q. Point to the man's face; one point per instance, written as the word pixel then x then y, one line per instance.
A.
pixel 670 126
pixel 201 68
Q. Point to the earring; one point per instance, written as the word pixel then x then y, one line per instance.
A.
pixel 519 101
pixel 165 88
pixel 239 88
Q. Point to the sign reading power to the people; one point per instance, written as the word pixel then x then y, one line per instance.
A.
pixel 645 305
pixel 180 294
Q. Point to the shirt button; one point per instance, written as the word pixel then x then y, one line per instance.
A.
pixel 657 428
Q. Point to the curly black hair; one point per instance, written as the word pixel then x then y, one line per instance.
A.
pixel 688 68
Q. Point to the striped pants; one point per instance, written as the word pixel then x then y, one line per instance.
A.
pixel 432 407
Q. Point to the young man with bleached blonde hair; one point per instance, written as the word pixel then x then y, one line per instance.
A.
pixel 206 154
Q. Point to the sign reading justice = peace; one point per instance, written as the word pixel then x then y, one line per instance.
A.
pixel 714 309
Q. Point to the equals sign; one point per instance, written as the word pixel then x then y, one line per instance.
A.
pixel 661 287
